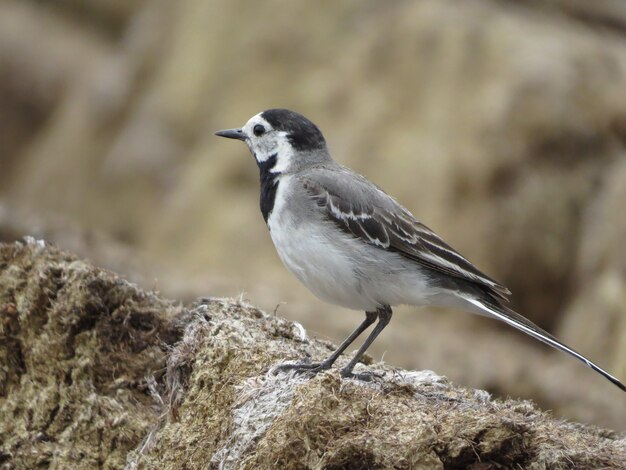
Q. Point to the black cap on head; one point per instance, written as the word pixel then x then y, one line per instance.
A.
pixel 302 133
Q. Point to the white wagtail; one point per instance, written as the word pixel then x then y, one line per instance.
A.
pixel 353 245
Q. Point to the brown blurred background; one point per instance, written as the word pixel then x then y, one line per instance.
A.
pixel 500 124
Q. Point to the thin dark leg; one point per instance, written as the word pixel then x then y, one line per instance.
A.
pixel 384 317
pixel 370 317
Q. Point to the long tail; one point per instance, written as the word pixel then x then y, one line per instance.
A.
pixel 516 320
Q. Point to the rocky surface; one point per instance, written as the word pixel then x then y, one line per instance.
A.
pixel 80 349
pixel 96 373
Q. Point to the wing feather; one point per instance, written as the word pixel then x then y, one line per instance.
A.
pixel 380 221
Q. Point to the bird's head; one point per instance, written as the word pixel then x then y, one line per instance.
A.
pixel 285 138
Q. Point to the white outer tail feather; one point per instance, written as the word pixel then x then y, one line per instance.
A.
pixel 503 316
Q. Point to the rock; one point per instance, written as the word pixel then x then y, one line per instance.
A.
pixel 96 372
pixel 226 410
pixel 78 348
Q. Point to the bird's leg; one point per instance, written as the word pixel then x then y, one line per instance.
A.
pixel 370 317
pixel 384 316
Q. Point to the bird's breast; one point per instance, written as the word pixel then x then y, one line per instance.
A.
pixel 317 254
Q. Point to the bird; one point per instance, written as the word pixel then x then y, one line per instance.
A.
pixel 353 245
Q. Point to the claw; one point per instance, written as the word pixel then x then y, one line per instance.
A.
pixel 303 368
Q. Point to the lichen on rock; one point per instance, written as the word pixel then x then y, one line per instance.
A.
pixel 232 412
pixel 76 346
pixel 96 373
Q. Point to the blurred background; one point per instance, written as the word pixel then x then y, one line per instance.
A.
pixel 500 124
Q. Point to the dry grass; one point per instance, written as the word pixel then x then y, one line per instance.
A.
pixel 99 374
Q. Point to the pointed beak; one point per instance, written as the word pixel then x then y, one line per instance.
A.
pixel 232 134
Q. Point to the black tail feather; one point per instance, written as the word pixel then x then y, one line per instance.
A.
pixel 516 320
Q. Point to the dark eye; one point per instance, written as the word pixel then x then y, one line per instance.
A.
pixel 258 130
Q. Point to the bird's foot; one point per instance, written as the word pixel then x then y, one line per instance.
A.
pixel 367 376
pixel 303 368
pixel 317 367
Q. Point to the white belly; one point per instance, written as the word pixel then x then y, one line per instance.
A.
pixel 319 266
pixel 338 268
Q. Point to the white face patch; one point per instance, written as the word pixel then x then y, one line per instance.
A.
pixel 270 142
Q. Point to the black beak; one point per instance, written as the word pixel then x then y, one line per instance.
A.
pixel 232 134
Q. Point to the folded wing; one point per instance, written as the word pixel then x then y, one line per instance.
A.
pixel 377 219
